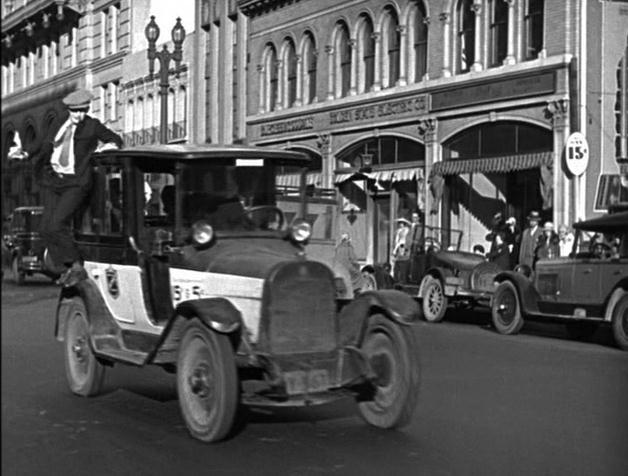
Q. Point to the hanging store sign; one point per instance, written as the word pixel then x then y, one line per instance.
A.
pixel 402 107
pixel 577 154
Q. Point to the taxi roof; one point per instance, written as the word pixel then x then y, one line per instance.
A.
pixel 192 152
pixel 609 223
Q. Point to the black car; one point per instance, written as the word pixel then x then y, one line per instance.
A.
pixel 200 273
pixel 23 245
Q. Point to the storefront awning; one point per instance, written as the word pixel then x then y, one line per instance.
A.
pixel 294 180
pixel 504 164
pixel 397 175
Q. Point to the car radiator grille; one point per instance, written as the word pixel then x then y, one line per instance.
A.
pixel 299 309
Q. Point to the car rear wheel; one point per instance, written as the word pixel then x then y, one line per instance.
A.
pixel 18 275
pixel 620 322
pixel 434 301
pixel 391 351
pixel 506 309
pixel 84 373
pixel 207 382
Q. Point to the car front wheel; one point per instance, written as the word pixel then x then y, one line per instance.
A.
pixel 391 351
pixel 207 382
pixel 84 373
pixel 620 322
pixel 434 301
pixel 506 309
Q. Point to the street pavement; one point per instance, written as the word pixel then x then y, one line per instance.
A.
pixel 533 404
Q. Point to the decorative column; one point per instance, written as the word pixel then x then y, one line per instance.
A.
pixel 510 54
pixel 281 100
pixel 324 147
pixel 331 73
pixel 427 129
pixel 557 113
pixel 477 40
pixel 261 90
pixel 377 70
pixel 403 53
pixel 299 99
pixel 353 81
pixel 445 19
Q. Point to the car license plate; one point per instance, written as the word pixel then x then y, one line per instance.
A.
pixel 29 259
pixel 300 381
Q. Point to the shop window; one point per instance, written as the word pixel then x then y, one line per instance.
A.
pixel 382 151
pixel 534 29
pixel 419 37
pixel 465 35
pixel 610 191
pixel 499 31
pixel 621 108
pixel 309 60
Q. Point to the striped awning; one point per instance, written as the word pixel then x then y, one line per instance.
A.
pixel 294 180
pixel 396 175
pixel 503 164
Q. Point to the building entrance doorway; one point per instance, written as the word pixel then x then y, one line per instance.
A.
pixel 382 245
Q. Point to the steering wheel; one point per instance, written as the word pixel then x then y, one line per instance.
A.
pixel 601 250
pixel 266 217
pixel 431 244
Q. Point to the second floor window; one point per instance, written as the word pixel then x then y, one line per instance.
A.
pixel 499 31
pixel 534 29
pixel 621 108
pixel 393 39
pixel 466 35
pixel 309 61
pixel 290 63
pixel 419 43
pixel 343 63
pixel 367 46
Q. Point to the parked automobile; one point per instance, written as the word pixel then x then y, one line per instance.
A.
pixel 585 290
pixel 25 249
pixel 205 278
pixel 439 274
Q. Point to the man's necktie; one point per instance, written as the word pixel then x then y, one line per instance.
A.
pixel 64 158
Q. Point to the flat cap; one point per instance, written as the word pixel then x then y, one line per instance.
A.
pixel 79 99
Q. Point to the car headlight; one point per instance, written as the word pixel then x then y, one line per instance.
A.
pixel 202 233
pixel 300 231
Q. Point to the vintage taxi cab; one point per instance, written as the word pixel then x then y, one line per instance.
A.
pixel 585 290
pixel 193 266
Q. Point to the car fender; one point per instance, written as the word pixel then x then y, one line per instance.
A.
pixel 528 296
pixel 396 305
pixel 445 276
pixel 620 291
pixel 100 320
pixel 217 313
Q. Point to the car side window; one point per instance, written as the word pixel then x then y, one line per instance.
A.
pixel 104 213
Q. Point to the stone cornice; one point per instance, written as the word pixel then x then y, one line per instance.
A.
pixel 258 7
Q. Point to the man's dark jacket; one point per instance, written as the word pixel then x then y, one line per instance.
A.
pixel 86 137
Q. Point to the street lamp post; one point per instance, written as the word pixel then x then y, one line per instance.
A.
pixel 164 56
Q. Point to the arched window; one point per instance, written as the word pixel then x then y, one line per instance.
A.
pixel 149 117
pixel 534 28
pixel 466 35
pixel 366 51
pixel 621 107
pixel 392 38
pixel 130 113
pixel 309 66
pixel 139 114
pixel 290 74
pixel 270 78
pixel 181 113
pixel 343 61
pixel 418 36
pixel 172 107
pixel 499 31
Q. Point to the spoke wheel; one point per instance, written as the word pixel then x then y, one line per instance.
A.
pixel 506 310
pixel 84 373
pixel 620 322
pixel 434 301
pixel 207 382
pixel 18 275
pixel 391 351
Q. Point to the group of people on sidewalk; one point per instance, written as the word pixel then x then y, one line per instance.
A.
pixel 511 247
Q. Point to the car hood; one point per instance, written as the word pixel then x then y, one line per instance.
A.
pixel 251 257
pixel 458 259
